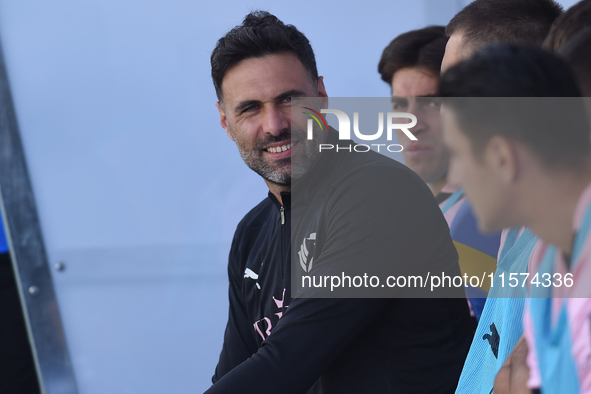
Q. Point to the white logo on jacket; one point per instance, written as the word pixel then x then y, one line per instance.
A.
pixel 307 250
pixel 250 274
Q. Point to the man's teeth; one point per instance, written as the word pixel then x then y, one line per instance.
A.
pixel 280 148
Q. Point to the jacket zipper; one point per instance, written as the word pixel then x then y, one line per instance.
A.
pixel 282 210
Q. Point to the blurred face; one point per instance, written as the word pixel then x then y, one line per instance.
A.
pixel 256 114
pixel 480 179
pixel 414 91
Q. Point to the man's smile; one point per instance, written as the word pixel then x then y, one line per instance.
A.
pixel 281 149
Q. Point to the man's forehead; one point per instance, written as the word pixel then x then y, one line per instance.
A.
pixel 264 77
pixel 414 82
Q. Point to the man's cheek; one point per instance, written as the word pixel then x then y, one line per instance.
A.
pixel 460 174
pixel 453 170
pixel 402 138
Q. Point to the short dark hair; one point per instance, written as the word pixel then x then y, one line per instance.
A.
pixel 417 48
pixel 567 24
pixel 511 21
pixel 260 34
pixel 501 73
pixel 577 53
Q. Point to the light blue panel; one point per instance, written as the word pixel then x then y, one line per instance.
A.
pixel 567 3
pixel 146 320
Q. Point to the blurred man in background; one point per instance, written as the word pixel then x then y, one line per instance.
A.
pixel 568 24
pixel 577 53
pixel 411 65
pixel 517 171
pixel 483 22
pixel 569 37
pixel 479 24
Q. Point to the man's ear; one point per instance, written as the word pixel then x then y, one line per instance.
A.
pixel 322 93
pixel 503 155
pixel 224 120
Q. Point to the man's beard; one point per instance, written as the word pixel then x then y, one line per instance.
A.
pixel 281 171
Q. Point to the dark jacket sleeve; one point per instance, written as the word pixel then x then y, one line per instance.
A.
pixel 239 343
pixel 307 340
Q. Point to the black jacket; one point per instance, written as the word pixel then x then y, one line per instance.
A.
pixel 353 213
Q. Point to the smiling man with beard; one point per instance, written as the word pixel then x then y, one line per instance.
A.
pixel 269 151
pixel 346 212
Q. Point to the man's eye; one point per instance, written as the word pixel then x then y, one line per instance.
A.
pixel 434 103
pixel 287 100
pixel 399 104
pixel 252 108
pixel 429 102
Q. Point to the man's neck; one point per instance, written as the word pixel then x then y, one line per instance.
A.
pixel 552 206
pixel 277 190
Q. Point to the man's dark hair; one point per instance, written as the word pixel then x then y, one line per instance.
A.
pixel 577 53
pixel 260 34
pixel 512 91
pixel 511 21
pixel 564 27
pixel 422 48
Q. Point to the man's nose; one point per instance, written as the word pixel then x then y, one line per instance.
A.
pixel 276 120
pixel 415 109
